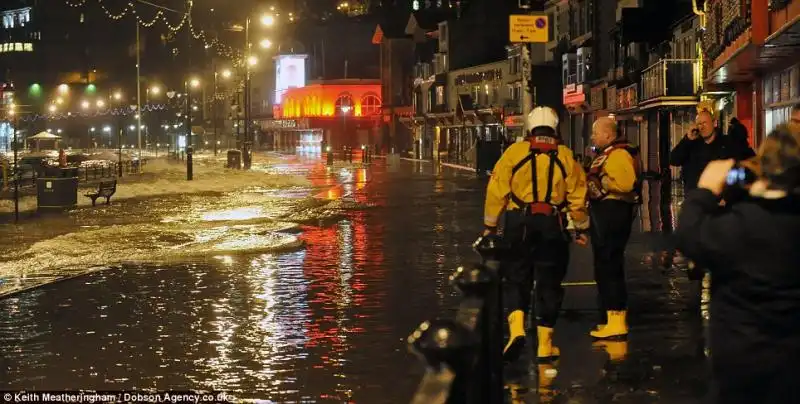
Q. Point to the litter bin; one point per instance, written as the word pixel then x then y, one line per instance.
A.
pixel 56 193
pixel 235 159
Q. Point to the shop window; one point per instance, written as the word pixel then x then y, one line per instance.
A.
pixel 776 116
pixel 439 95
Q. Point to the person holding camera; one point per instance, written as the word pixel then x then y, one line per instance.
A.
pixel 702 144
pixel 750 248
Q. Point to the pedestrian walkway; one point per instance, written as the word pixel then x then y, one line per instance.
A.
pixel 663 360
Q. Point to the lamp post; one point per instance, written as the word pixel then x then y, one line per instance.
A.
pixel 13 114
pixel 267 20
pixel 189 164
pixel 189 167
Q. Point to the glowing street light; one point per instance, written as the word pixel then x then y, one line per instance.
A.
pixel 117 95
pixel 63 88
pixel 194 83
pixel 106 129
pixel 268 20
pixel 132 127
pixel 59 100
pixel 227 73
pixel 155 90
pixel 52 108
pixel 85 104
pixel 101 103
pixel 266 43
pixel 252 60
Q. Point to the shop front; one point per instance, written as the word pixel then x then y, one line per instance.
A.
pixel 579 117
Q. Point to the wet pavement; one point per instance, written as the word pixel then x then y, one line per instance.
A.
pixel 306 294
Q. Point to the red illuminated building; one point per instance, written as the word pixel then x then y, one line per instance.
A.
pixel 752 55
pixel 337 113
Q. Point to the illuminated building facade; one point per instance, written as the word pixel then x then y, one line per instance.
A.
pixel 751 51
pixel 336 113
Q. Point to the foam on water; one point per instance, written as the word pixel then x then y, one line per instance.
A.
pixel 167 178
pixel 115 244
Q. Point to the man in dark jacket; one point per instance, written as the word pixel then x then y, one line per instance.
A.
pixel 704 143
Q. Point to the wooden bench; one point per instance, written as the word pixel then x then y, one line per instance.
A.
pixel 106 189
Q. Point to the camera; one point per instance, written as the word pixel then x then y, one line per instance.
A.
pixel 738 182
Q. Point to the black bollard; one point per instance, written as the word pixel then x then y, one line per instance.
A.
pixel 448 349
pixel 329 156
pixel 478 286
pixel 492 249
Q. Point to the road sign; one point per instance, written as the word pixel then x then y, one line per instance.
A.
pixel 528 28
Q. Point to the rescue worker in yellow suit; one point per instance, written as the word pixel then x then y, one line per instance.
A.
pixel 535 182
pixel 613 186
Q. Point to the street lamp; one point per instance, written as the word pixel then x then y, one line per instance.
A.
pixel 52 108
pixel 268 20
pixel 85 104
pixel 101 104
pixel 155 90
pixel 13 113
pixel 189 84
pixel 226 73
pixel 266 43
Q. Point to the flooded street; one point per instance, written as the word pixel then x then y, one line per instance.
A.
pixel 306 293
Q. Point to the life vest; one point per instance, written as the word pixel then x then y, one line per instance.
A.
pixel 540 145
pixel 594 179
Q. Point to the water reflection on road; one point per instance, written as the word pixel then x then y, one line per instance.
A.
pixel 327 322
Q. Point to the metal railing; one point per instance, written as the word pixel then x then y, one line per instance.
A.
pixel 464 356
pixel 27 178
pixel 670 78
pixel 423 71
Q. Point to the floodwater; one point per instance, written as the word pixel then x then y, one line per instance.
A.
pixel 306 294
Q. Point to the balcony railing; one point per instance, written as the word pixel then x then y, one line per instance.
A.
pixel 671 78
pixel 422 71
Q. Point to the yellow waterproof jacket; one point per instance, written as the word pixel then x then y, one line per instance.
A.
pixel 614 174
pixel 569 191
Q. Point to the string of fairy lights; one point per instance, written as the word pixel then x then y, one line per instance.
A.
pixel 130 10
pixel 120 111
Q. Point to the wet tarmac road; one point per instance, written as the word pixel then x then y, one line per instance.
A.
pixel 327 322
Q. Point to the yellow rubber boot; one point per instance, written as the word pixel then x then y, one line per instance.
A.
pixel 546 349
pixel 516 337
pixel 616 327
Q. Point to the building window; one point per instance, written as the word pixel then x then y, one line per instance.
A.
pixel 344 104
pixel 439 95
pixel 370 105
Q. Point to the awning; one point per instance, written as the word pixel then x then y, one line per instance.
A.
pixel 44 136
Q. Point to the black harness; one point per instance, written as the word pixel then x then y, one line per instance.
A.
pixel 541 145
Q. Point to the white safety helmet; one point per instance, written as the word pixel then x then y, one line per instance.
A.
pixel 543 116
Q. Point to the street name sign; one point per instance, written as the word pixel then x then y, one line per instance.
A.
pixel 527 28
